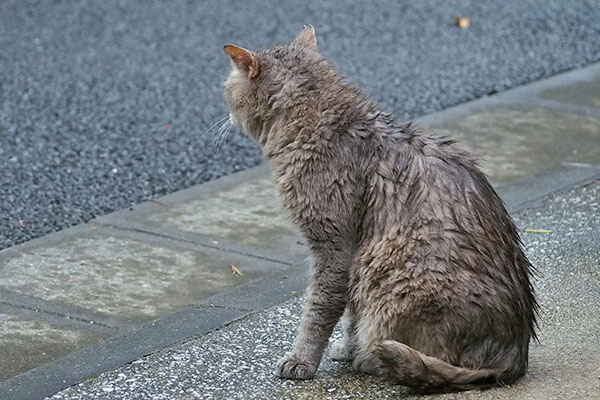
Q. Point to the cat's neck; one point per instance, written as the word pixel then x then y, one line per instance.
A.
pixel 316 121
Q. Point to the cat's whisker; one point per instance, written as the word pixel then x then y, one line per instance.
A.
pixel 221 135
pixel 220 125
pixel 214 141
pixel 214 125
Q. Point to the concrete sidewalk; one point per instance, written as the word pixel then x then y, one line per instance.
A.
pixel 98 296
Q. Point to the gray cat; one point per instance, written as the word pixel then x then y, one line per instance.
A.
pixel 409 240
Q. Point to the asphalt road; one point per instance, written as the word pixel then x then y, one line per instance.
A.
pixel 103 104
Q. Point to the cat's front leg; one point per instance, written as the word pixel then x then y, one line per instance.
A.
pixel 325 303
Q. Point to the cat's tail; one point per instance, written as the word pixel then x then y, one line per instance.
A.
pixel 409 367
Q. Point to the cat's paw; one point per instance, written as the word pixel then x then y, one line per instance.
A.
pixel 340 350
pixel 292 367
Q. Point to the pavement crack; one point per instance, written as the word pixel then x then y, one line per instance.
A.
pixel 196 243
pixel 55 314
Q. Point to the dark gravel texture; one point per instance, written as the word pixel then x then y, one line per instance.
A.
pixel 102 104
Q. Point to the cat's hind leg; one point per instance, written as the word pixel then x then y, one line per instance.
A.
pixel 344 349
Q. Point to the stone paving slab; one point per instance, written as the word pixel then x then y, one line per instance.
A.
pixel 27 340
pixel 109 279
pixel 585 92
pixel 237 362
pixel 35 331
pixel 516 140
pixel 530 129
pixel 134 277
pixel 240 213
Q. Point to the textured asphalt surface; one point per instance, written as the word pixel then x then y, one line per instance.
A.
pixel 103 104
pixel 237 361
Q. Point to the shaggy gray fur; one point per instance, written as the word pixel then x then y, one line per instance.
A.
pixel 407 235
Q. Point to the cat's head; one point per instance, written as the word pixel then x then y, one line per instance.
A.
pixel 265 85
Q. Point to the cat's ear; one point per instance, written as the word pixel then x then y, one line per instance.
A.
pixel 243 59
pixel 307 35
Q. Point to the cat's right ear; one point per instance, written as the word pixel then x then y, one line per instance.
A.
pixel 307 35
pixel 244 59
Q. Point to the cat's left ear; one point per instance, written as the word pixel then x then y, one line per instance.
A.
pixel 307 35
pixel 243 59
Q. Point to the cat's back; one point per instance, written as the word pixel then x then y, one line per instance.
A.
pixel 418 165
pixel 429 199
pixel 454 189
pixel 426 191
pixel 433 171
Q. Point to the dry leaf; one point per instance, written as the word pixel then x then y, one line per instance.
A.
pixel 462 22
pixel 538 230
pixel 235 270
